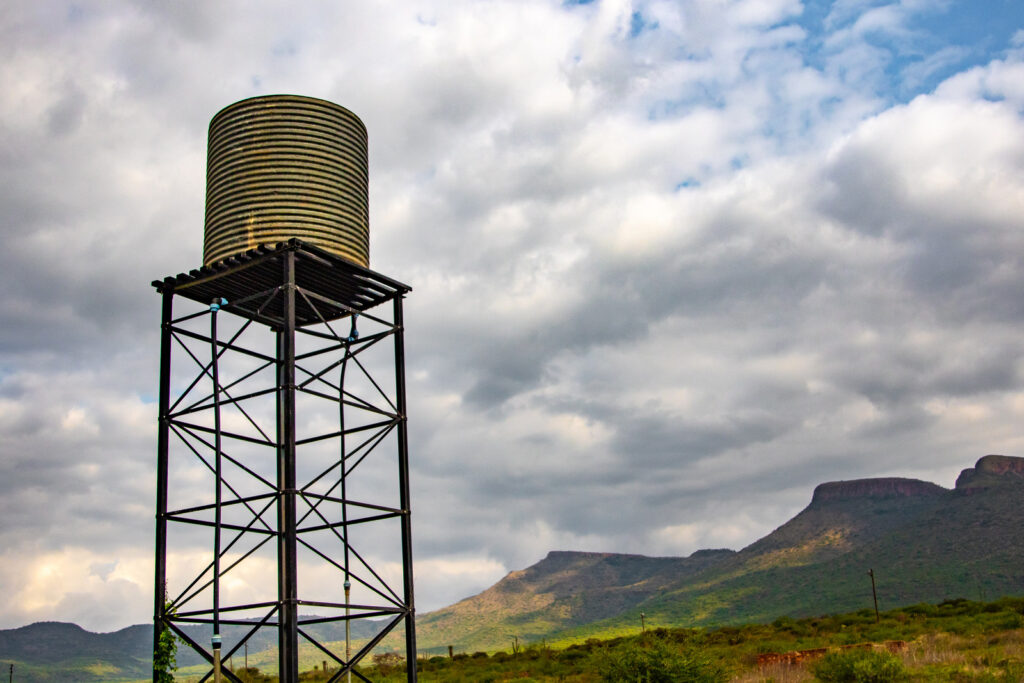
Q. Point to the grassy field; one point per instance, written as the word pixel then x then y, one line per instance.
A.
pixel 957 640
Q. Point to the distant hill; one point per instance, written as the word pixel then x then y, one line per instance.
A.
pixel 564 589
pixel 55 652
pixel 925 543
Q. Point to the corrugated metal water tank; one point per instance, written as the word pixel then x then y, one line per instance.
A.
pixel 284 166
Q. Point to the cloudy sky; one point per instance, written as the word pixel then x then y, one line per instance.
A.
pixel 674 263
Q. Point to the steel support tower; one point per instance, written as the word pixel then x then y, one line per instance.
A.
pixel 282 462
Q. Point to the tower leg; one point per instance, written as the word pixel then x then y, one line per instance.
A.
pixel 160 577
pixel 403 483
pixel 288 633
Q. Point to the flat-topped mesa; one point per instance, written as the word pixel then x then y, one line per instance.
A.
pixel 989 470
pixel 886 487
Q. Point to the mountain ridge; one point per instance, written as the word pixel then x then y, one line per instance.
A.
pixel 926 543
pixel 935 540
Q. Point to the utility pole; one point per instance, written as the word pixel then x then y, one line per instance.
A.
pixel 874 593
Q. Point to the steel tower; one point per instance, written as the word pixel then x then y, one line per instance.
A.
pixel 283 475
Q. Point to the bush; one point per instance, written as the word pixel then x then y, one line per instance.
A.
pixel 388 662
pixel 655 661
pixel 859 666
pixel 571 655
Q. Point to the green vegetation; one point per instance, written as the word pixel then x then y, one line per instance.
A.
pixel 860 666
pixel 656 660
pixel 956 640
pixel 165 657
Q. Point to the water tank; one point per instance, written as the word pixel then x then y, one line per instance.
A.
pixel 284 166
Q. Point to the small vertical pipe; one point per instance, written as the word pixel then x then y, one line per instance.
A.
pixel 218 493
pixel 874 593
pixel 347 585
pixel 288 633
pixel 403 487
pixel 163 428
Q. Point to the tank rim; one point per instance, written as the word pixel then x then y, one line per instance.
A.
pixel 286 97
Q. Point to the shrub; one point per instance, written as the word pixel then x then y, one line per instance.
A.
pixel 571 655
pixel 859 666
pixel 655 661
pixel 388 662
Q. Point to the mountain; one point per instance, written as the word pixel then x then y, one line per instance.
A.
pixel 925 543
pixel 992 470
pixel 562 590
pixel 54 652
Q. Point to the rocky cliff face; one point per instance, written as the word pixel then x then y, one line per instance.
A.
pixel 991 470
pixel 886 487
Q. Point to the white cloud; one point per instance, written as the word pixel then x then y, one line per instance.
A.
pixel 705 267
pixel 78 585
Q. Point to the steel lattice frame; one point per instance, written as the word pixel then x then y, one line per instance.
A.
pixel 275 328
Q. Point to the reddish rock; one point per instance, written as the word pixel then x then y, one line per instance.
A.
pixel 896 646
pixel 989 470
pixel 887 487
pixel 789 658
pixel 766 659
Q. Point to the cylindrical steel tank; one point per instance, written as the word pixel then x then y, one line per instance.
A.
pixel 284 166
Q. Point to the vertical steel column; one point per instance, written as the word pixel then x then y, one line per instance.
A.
pixel 403 488
pixel 215 640
pixel 163 429
pixel 288 631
